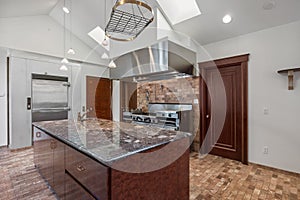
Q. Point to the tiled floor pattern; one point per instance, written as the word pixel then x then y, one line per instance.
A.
pixel 214 177
pixel 19 179
pixel 211 177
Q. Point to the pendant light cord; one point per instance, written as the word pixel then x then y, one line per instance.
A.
pixel 104 17
pixel 71 24
pixel 64 31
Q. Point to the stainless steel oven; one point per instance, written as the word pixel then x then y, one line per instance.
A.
pixel 167 116
pixel 50 98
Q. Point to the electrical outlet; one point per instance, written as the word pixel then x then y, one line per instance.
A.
pixel 266 150
pixel 266 111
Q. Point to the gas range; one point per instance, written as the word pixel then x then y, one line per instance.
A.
pixel 167 116
pixel 163 119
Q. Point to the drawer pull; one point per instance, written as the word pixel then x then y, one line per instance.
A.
pixel 53 145
pixel 81 168
pixel 38 134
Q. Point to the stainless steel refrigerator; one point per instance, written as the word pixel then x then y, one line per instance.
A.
pixel 50 98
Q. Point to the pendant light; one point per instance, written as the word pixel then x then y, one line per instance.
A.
pixel 71 51
pixel 104 42
pixel 128 19
pixel 64 61
pixel 112 64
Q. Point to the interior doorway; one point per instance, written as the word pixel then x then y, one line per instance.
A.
pixel 232 143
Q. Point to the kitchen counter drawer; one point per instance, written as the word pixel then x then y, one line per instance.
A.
pixel 75 191
pixel 91 174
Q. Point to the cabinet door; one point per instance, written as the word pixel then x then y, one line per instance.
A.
pixel 88 172
pixel 59 169
pixel 43 156
pixel 74 190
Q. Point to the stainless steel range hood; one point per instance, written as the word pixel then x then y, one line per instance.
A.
pixel 163 60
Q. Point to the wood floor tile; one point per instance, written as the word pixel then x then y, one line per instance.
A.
pixel 211 178
pixel 237 181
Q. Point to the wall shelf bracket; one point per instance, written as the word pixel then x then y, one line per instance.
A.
pixel 290 73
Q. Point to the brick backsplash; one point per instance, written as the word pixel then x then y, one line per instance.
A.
pixel 183 90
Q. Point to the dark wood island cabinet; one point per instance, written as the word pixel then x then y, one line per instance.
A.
pixel 76 169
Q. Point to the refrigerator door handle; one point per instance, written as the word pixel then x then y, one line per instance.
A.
pixel 67 84
pixel 51 109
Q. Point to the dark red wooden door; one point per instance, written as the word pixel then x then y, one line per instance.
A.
pixel 99 96
pixel 232 142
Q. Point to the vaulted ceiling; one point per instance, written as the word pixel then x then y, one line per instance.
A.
pixel 248 16
pixel 19 8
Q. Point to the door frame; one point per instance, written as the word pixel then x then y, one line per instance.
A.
pixel 241 60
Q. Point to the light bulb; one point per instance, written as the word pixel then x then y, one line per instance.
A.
pixel 71 51
pixel 64 61
pixel 66 10
pixel 63 68
pixel 104 42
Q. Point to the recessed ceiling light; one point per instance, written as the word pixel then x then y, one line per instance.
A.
pixel 269 5
pixel 227 19
pixel 66 10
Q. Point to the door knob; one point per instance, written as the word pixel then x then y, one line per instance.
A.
pixel 207 116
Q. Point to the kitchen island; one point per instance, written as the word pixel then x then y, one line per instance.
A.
pixel 102 159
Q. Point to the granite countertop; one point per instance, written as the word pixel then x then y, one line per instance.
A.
pixel 108 141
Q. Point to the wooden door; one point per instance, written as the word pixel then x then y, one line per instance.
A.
pixel 99 97
pixel 232 142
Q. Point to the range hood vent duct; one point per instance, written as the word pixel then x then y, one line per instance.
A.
pixel 163 60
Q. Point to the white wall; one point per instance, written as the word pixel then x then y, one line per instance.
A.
pixel 41 34
pixel 270 50
pixel 116 104
pixel 3 99
pixel 22 65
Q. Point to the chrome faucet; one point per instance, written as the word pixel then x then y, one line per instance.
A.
pixel 80 116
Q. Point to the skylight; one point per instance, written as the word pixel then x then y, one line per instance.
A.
pixel 98 35
pixel 179 10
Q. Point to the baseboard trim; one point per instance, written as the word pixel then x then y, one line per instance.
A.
pixel 20 149
pixel 276 169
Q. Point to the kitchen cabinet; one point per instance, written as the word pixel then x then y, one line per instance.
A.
pixel 74 190
pixel 74 173
pixel 49 160
pixel 58 168
pixel 43 155
pixel 91 174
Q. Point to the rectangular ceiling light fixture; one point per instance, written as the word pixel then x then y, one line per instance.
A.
pixel 178 11
pixel 98 35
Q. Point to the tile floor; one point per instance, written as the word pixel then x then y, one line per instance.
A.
pixel 217 178
pixel 211 177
